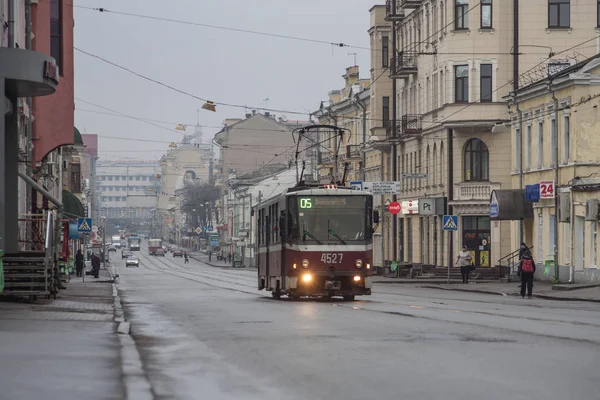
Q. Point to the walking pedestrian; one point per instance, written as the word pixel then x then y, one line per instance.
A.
pixel 526 272
pixel 464 261
pixel 209 256
pixel 96 266
pixel 185 256
pixel 79 263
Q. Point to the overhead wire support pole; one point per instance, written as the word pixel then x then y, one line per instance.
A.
pixel 394 148
pixel 519 140
pixel 556 176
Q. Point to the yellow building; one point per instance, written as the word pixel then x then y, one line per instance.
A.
pixel 349 110
pixel 454 64
pixel 555 121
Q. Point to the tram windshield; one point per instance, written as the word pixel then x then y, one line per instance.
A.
pixel 331 218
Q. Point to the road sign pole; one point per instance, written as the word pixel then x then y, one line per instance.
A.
pixel 449 245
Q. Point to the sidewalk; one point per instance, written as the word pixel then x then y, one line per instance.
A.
pixel 64 348
pixel 542 290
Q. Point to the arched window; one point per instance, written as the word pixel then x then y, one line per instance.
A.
pixel 434 162
pixel 476 161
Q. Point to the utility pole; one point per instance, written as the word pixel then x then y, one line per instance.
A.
pixel 364 137
pixel 394 148
pixel 556 176
pixel 519 137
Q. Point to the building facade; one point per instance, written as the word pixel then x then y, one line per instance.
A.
pixel 555 121
pixel 342 153
pixel 453 64
pixel 127 193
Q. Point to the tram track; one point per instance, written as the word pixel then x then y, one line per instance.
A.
pixel 170 268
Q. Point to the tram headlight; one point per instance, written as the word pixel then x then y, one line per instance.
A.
pixel 368 266
pixel 359 263
pixel 305 263
pixel 357 278
pixel 306 278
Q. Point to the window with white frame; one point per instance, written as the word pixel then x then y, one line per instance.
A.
pixel 566 145
pixel 559 13
pixel 528 147
pixel 485 82
pixel 461 83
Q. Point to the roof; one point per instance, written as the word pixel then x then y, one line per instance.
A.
pixel 238 125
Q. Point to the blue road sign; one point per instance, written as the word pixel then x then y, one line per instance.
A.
pixel 494 210
pixel 450 223
pixel 532 192
pixel 356 185
pixel 84 225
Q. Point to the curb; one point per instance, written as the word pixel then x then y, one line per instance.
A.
pixel 555 298
pixel 137 385
pixel 480 291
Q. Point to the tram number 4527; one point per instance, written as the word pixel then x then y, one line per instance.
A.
pixel 332 258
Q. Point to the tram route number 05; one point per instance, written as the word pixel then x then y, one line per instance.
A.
pixel 332 258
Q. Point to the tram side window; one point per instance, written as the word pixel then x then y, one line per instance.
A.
pixel 275 219
pixel 260 226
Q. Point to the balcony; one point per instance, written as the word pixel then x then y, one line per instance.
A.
pixel 393 10
pixel 325 159
pixel 406 65
pixel 353 151
pixel 474 191
pixel 411 124
pixel 410 3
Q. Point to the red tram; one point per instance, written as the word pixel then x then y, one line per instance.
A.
pixel 316 241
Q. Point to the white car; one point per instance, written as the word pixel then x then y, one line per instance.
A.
pixel 132 261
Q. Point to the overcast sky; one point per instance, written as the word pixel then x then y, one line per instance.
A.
pixel 218 65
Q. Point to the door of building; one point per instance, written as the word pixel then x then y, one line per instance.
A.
pixel 477 238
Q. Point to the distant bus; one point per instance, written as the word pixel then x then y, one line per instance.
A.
pixel 133 242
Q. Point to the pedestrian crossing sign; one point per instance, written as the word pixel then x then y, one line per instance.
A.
pixel 450 223
pixel 84 225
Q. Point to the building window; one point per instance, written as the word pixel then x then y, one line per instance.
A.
pixel 540 144
pixel 528 148
pixel 486 14
pixel 386 111
pixel 476 161
pixel 566 139
pixel 559 13
pixel 75 178
pixel 461 83
pixel 485 82
pixel 385 52
pixel 56 40
pixel 461 14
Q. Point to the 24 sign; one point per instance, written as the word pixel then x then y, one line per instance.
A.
pixel 547 190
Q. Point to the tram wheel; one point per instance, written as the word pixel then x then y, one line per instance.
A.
pixel 349 298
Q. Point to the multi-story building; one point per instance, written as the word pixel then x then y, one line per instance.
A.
pixel 556 122
pixel 127 192
pixel 454 62
pixel 88 172
pixel 184 167
pixel 343 151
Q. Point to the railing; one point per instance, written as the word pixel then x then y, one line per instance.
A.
pixel 393 131
pixel 411 124
pixel 410 3
pixel 406 64
pixel 510 259
pixel 474 191
pixel 393 10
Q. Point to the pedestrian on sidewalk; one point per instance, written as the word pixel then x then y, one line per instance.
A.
pixel 209 256
pixel 526 272
pixel 185 256
pixel 464 261
pixel 96 266
pixel 79 263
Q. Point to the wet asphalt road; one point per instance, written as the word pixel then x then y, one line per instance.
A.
pixel 206 332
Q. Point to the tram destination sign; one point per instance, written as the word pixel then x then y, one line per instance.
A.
pixel 387 187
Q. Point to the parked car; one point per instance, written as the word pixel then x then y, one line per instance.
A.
pixel 159 253
pixel 132 261
pixel 126 253
pixel 177 253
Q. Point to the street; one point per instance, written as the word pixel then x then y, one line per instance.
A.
pixel 206 331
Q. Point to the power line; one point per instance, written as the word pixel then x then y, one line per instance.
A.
pixel 220 27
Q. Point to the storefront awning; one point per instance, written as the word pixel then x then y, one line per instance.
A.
pixel 510 205
pixel 72 206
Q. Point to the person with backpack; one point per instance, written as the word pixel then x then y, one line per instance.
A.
pixel 526 272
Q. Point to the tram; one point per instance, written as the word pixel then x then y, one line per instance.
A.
pixel 153 245
pixel 133 242
pixel 316 241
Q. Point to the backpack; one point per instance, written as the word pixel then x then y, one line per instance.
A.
pixel 527 265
